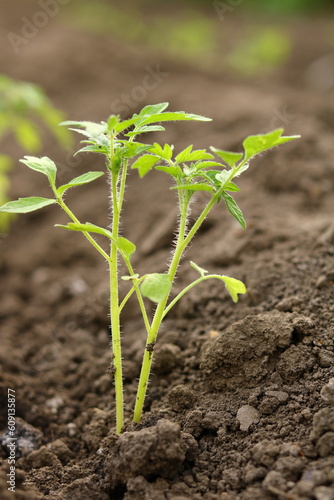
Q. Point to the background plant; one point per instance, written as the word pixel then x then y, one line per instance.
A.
pixel 191 171
pixel 24 111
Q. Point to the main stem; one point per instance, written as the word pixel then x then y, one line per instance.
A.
pixel 114 307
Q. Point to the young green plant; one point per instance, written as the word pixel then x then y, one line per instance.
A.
pixel 191 171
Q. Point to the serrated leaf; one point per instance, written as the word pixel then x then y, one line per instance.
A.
pixel 26 205
pixel 234 209
pixel 230 158
pixel 166 152
pixel 78 181
pixel 156 287
pixel 174 171
pixel 195 187
pixel 43 165
pixel 125 246
pixel 189 155
pixel 145 163
pixel 199 269
pixel 255 144
pixel 234 287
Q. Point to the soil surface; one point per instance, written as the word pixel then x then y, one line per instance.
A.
pixel 241 401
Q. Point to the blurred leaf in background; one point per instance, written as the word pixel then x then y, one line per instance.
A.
pixel 260 51
pixel 24 111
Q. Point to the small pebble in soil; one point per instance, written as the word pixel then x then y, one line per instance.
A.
pixel 246 416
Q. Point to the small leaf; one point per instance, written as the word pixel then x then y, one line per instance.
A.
pixel 145 163
pixel 94 149
pixel 234 287
pixel 172 117
pixel 174 171
pixel 195 187
pixel 189 155
pixel 78 181
pixel 125 246
pixel 223 176
pixel 130 278
pixel 153 109
pixel 146 129
pixel 91 129
pixel 234 209
pixel 86 228
pixel 131 149
pixel 25 205
pixel 156 287
pixel 113 120
pixel 43 165
pixel 232 187
pixel 230 158
pixel 199 269
pixel 166 152
pixel 255 144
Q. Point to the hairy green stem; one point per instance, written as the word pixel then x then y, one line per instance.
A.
pixel 159 313
pixel 114 311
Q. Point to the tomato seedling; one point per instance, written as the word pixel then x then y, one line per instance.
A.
pixel 191 171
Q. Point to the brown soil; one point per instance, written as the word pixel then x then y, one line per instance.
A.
pixel 240 405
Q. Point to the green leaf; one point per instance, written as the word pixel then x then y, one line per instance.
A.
pixel 82 179
pixel 146 129
pixel 156 287
pixel 223 176
pixel 113 120
pixel 234 209
pixel 94 149
pixel 86 228
pixel 166 152
pixel 195 187
pixel 234 287
pixel 145 163
pixel 125 246
pixel 199 269
pixel 153 109
pixel 133 277
pixel 230 158
pixel 25 205
pixel 256 144
pixel 232 187
pixel 91 129
pixel 174 171
pixel 43 165
pixel 189 155
pixel 173 117
pixel 131 149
